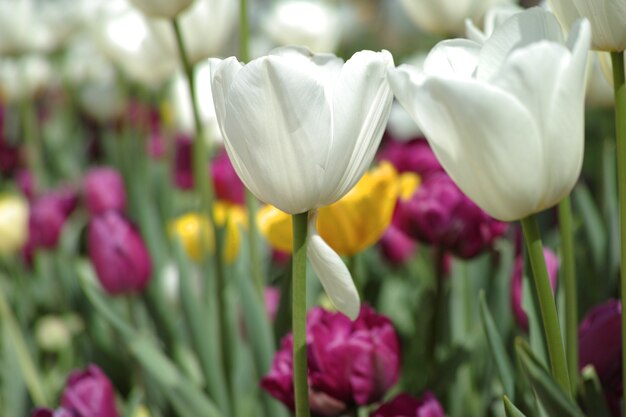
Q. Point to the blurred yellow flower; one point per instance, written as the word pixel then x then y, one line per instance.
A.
pixel 13 223
pixel 190 227
pixel 353 223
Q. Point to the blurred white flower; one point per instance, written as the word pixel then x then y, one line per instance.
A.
pixel 22 77
pixel 141 46
pixel 28 26
pixel 447 17
pixel 316 25
pixel 181 101
pixel 161 8
pixel 13 223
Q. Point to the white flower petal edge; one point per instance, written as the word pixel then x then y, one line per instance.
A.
pixel 332 272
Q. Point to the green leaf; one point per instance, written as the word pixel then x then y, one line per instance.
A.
pixel 510 409
pixel 503 365
pixel 549 394
pixel 592 395
pixel 592 223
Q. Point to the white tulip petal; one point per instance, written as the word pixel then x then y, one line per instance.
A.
pixel 474 129
pixel 453 58
pixel 522 29
pixel 360 108
pixel 473 33
pixel 332 273
pixel 295 107
pixel 161 8
pixel 608 19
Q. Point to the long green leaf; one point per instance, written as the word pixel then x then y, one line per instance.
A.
pixel 510 409
pixel 549 394
pixel 503 365
pixel 591 394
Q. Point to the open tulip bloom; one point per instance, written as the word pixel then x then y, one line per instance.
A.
pixel 301 129
pixel 505 118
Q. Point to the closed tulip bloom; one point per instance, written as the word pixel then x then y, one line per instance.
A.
pixel 350 225
pixel 89 393
pixel 600 345
pixel 350 363
pixel 607 19
pixel 194 230
pixel 446 16
pixel 505 118
pixel 404 405
pixel 48 215
pixel 13 223
pixel 327 119
pixel 439 214
pixel 104 190
pixel 118 253
pixel 167 9
pixel 552 264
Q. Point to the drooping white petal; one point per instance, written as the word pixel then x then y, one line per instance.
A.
pixel 361 104
pixel 453 58
pixel 474 129
pixel 522 29
pixel 332 273
pixel 276 124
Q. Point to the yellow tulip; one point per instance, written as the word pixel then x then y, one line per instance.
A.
pixel 353 223
pixel 13 223
pixel 194 228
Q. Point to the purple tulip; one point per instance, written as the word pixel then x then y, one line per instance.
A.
pixel 406 406
pixel 552 263
pixel 411 156
pixel 350 363
pixel 48 214
pixel 104 190
pixel 396 246
pixel 600 345
pixel 440 214
pixel 183 162
pixel 118 254
pixel 228 186
pixel 89 393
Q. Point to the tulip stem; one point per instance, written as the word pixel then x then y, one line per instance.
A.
pixel 568 268
pixel 300 382
pixel 619 85
pixel 28 120
pixel 554 340
pixel 201 155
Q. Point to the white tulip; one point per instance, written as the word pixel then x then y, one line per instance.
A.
pixel 13 223
pixel 505 118
pixel 301 22
pixel 142 47
pixel 607 18
pixel 447 16
pixel 22 77
pixel 300 130
pixel 167 9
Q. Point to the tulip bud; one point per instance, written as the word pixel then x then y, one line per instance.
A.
pixel 118 253
pixel 228 186
pixel 600 345
pixel 13 223
pixel 47 217
pixel 440 214
pixel 89 393
pixel 552 264
pixel 406 406
pixel 104 190
pixel 350 363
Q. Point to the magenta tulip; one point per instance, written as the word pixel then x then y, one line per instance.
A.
pixel 104 190
pixel 89 393
pixel 406 406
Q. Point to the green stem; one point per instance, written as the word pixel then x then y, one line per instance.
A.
pixel 28 121
pixel 554 340
pixel 29 370
pixel 301 389
pixel 244 32
pixel 201 154
pixel 568 269
pixel 436 310
pixel 619 85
